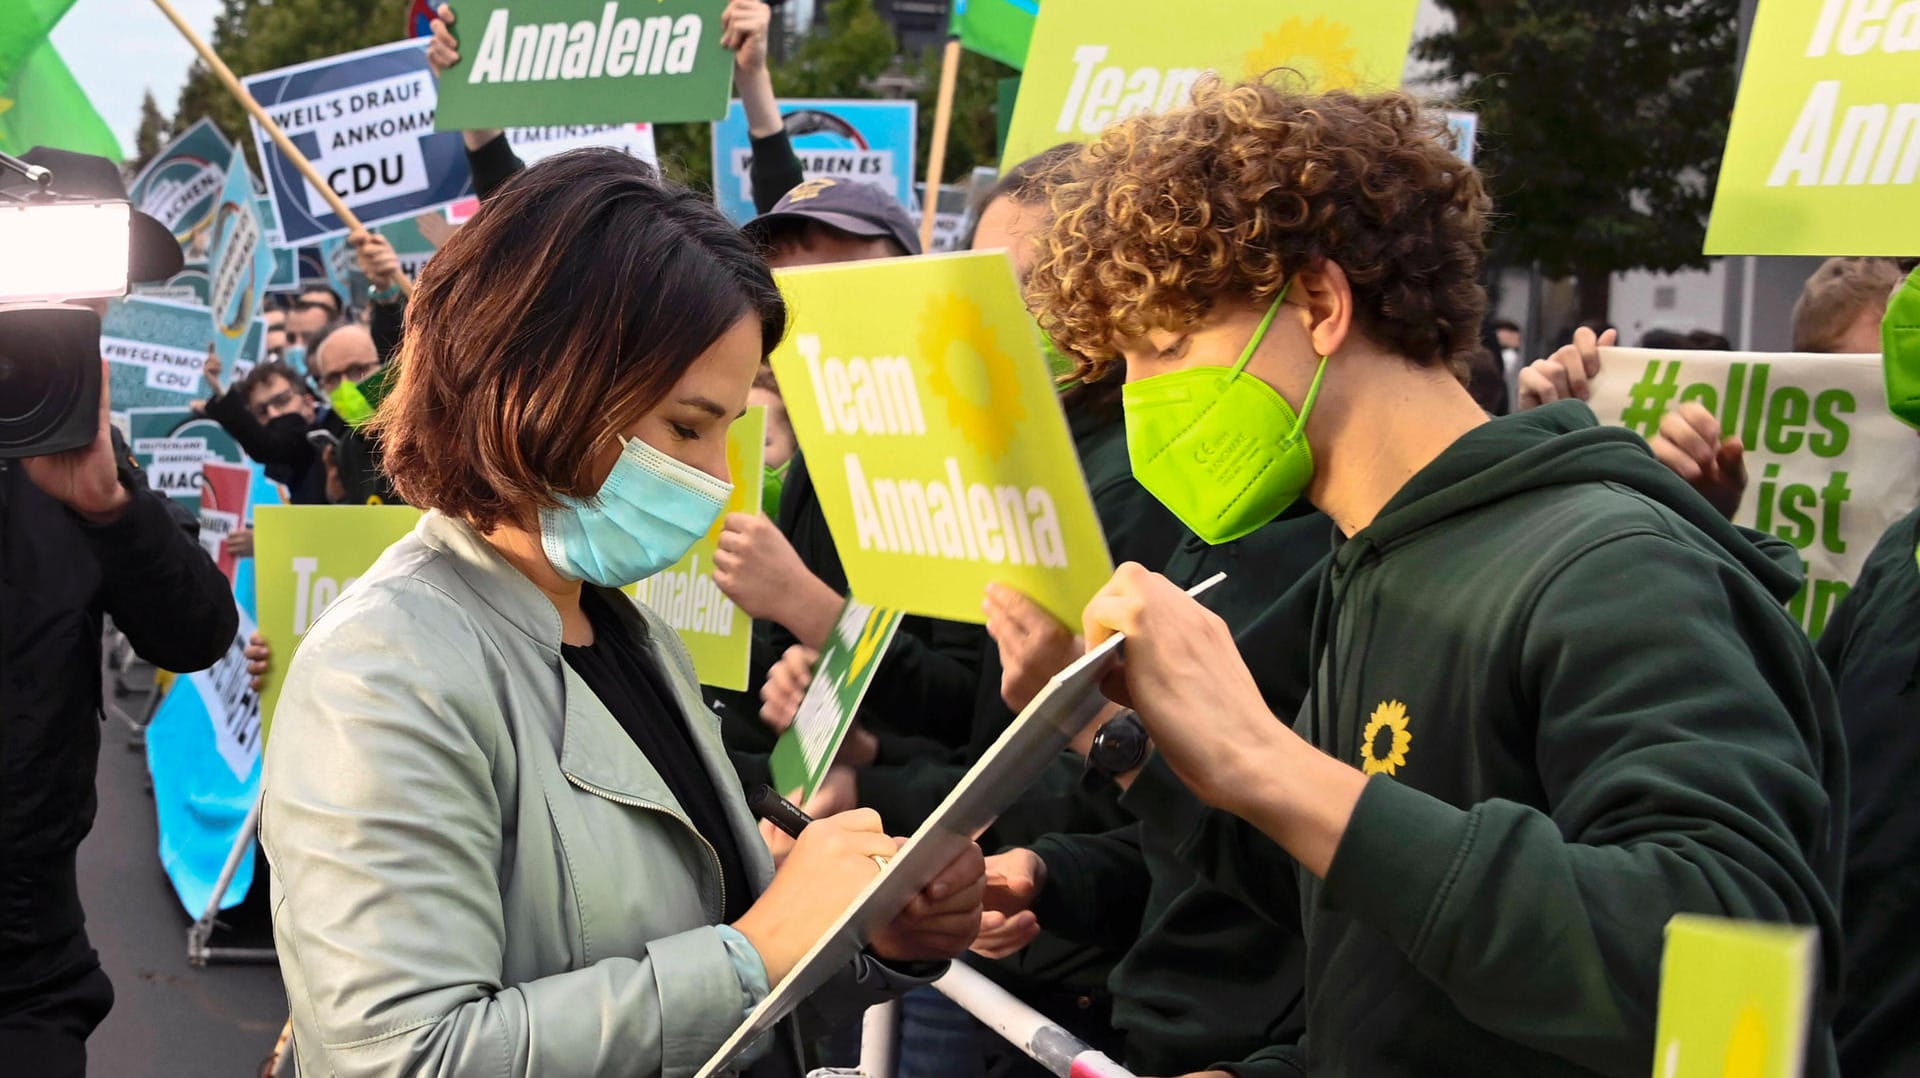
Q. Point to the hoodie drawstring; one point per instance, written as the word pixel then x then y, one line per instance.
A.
pixel 1333 599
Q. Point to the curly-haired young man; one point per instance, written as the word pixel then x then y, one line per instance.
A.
pixel 1551 698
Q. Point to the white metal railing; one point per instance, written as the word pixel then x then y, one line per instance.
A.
pixel 1054 1048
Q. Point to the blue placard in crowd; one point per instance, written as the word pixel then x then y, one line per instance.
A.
pixel 171 444
pixel 203 753
pixel 365 121
pixel 870 141
pixel 189 286
pixel 286 260
pixel 155 349
pixel 239 266
pixel 342 266
pixel 1465 128
pixel 181 186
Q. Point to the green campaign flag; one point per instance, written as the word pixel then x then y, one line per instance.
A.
pixel 845 668
pixel 1009 93
pixel 530 64
pixel 40 103
pixel 997 29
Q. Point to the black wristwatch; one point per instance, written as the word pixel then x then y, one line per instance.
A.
pixel 1119 746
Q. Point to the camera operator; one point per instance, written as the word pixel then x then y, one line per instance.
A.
pixel 81 536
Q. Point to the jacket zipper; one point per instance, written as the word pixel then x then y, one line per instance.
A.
pixel 713 855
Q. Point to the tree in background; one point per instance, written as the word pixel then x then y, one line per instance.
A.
pixel 1601 127
pixel 973 137
pixel 152 136
pixel 253 36
pixel 841 59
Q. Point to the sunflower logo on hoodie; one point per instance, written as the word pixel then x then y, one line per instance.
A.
pixel 1384 743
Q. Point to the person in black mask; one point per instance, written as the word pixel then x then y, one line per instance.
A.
pixel 271 413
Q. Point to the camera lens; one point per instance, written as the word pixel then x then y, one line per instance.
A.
pixel 49 379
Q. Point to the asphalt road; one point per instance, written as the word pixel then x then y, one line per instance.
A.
pixel 169 1019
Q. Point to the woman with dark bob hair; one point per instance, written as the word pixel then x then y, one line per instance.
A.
pixel 505 837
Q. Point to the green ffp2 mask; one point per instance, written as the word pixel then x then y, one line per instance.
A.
pixel 1217 446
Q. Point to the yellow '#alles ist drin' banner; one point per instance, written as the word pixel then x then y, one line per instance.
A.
pixel 935 438
pixel 1096 61
pixel 1823 155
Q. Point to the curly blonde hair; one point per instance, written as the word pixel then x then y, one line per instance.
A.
pixel 1248 185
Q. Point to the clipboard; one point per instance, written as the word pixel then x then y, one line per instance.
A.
pixel 1013 763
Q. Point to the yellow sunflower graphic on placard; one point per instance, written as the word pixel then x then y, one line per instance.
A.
pixel 1319 48
pixel 971 375
pixel 1384 743
pixel 1747 1048
pixel 869 642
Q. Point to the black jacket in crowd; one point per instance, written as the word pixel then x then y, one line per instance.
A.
pixel 1872 650
pixel 58 576
pixel 1204 977
pixel 281 445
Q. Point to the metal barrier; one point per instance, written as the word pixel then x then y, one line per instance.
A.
pixel 1034 1033
pixel 1025 1028
pixel 198 952
pixel 132 676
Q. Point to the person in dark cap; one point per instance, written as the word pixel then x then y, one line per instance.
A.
pixel 81 536
pixel 826 221
pixel 784 570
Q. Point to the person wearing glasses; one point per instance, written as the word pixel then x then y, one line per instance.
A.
pixel 345 354
pixel 272 413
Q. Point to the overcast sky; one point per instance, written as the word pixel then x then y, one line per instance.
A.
pixel 119 49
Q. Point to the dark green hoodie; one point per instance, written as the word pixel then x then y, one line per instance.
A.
pixel 1872 649
pixel 1586 711
pixel 1204 978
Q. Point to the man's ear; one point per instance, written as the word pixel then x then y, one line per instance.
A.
pixel 1326 305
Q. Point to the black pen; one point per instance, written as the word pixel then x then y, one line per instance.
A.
pixel 767 804
pixel 790 818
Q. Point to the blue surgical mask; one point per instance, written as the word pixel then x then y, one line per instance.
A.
pixel 648 514
pixel 296 357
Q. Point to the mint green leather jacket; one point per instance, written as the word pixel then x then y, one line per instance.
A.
pixel 475 870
